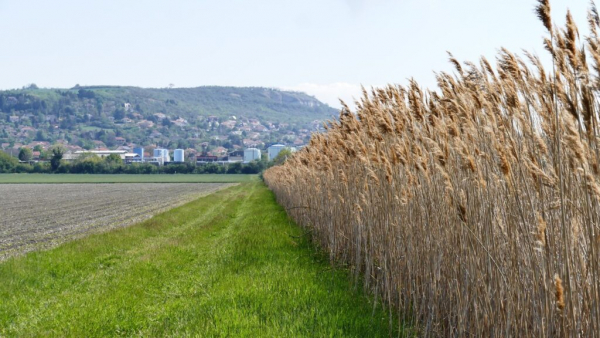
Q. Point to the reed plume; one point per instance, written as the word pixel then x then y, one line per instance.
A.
pixel 472 209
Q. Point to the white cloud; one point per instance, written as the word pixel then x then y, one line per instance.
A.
pixel 332 93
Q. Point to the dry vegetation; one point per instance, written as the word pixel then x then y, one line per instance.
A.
pixel 34 216
pixel 473 209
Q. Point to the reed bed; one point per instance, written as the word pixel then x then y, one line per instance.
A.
pixel 473 209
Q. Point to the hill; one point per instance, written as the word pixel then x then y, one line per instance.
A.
pixel 111 116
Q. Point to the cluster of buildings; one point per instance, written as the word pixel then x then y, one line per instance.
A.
pixel 162 156
pixel 249 155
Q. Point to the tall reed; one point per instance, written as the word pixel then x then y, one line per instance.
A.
pixel 472 208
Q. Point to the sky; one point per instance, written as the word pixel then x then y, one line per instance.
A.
pixel 326 48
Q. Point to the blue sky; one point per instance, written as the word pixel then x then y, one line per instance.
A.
pixel 328 48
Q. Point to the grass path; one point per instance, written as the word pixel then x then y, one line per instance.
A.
pixel 227 265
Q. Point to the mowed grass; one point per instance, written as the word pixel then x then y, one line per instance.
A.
pixel 125 178
pixel 227 265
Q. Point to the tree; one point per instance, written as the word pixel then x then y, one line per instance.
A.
pixel 235 168
pixel 25 154
pixel 86 94
pixel 252 168
pixel 212 168
pixel 282 156
pixel 86 163
pixel 87 144
pixel 44 155
pixel 119 114
pixel 58 151
pixel 183 144
pixel 7 163
pixel 113 159
pixel 235 139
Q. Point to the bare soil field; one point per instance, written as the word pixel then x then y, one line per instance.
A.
pixel 42 216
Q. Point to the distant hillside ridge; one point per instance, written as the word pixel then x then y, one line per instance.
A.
pixel 252 102
pixel 163 116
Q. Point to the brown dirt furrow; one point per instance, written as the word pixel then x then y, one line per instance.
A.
pixel 40 216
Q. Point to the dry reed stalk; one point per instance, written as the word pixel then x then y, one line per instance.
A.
pixel 473 209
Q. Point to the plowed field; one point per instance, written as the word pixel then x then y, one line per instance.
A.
pixel 44 215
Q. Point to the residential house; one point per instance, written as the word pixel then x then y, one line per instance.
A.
pixel 120 140
pixel 145 124
pixel 229 124
pixel 219 151
pixel 160 116
pixel 253 143
pixel 180 122
pixel 259 128
pixel 99 144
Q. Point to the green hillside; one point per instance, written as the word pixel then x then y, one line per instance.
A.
pixel 183 117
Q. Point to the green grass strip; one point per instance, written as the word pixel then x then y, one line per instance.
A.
pixel 126 178
pixel 227 265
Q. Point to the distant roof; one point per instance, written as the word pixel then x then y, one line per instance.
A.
pixel 101 151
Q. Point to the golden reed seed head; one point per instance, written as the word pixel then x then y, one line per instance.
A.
pixel 593 186
pixel 490 134
pixel 504 163
pixel 571 35
pixel 541 229
pixel 373 176
pixel 389 173
pixel 559 292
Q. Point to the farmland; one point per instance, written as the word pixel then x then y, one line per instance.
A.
pixel 230 264
pixel 45 215
pixel 124 178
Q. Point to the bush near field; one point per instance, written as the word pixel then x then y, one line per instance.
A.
pixel 473 209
